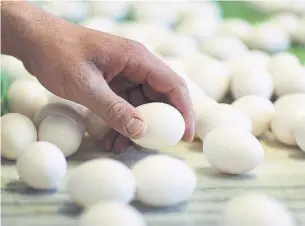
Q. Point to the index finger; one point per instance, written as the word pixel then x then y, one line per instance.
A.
pixel 145 68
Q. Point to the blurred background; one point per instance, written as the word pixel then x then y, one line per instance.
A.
pixel 182 29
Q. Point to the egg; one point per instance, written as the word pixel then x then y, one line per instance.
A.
pixel 288 111
pixel 268 37
pixel 156 12
pixel 287 21
pixel 100 24
pixel 253 209
pixel 259 109
pixel 62 131
pixel 251 81
pixel 165 126
pixel 14 68
pixel 298 36
pixel 177 46
pixel 199 20
pixel 17 132
pixel 80 109
pixel 212 76
pixel 234 27
pixel 199 100
pixel 221 115
pixel 42 165
pixel 299 133
pixel 254 58
pixel 161 188
pixel 59 109
pixel 111 214
pixel 101 180
pixel 26 97
pixel 96 126
pixel 283 63
pixel 290 81
pixel 223 47
pixel 74 11
pixel 109 9
pixel 232 150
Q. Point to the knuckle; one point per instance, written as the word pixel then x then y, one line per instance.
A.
pixel 182 83
pixel 117 111
pixel 137 47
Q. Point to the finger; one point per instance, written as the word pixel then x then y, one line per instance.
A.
pixel 145 68
pixel 117 112
pixel 121 144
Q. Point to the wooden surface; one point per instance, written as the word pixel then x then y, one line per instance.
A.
pixel 282 175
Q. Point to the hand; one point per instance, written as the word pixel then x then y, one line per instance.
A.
pixel 108 74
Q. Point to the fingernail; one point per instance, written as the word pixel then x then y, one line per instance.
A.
pixel 135 127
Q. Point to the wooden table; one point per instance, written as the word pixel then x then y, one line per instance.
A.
pixel 282 175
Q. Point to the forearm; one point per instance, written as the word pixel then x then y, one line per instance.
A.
pixel 23 26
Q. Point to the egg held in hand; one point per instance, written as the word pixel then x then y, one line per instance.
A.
pixel 165 126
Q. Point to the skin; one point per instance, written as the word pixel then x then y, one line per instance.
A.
pixel 108 74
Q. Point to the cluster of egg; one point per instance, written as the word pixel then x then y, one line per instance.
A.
pixel 218 58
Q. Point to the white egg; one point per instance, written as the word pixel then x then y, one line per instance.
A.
pixel 17 132
pixel 80 109
pixel 156 12
pixel 165 126
pixel 60 109
pixel 256 209
pixel 110 9
pixel 299 133
pixel 96 126
pixel 73 11
pixel 212 76
pixel 268 37
pixel 100 24
pixel 259 109
pixel 223 47
pixel 232 150
pixel 287 21
pixel 254 58
pixel 14 68
pixel 26 97
pixel 177 46
pixel 234 27
pixel 199 20
pixel 62 131
pixel 289 82
pixel 282 63
pixel 196 59
pixel 161 188
pixel 111 214
pixel 251 81
pixel 42 165
pixel 199 100
pixel 298 35
pixel 101 180
pixel 290 101
pixel 288 111
pixel 221 115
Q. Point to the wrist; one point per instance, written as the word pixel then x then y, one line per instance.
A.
pixel 25 28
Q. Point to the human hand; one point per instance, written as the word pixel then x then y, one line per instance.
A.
pixel 108 74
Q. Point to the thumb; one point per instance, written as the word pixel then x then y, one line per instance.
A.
pixel 117 112
pixel 122 116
